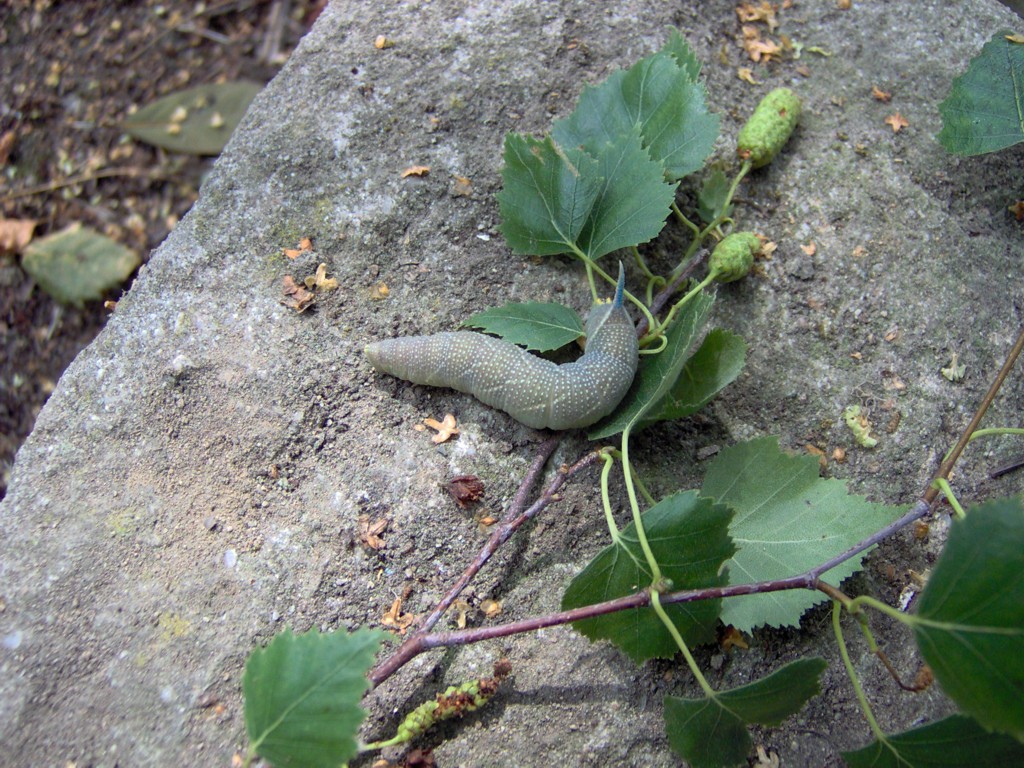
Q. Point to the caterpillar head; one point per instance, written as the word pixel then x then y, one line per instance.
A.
pixel 612 311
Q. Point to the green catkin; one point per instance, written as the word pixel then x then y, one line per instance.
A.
pixel 860 426
pixel 456 701
pixel 733 258
pixel 769 128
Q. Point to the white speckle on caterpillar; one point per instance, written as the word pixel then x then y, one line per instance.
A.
pixel 531 390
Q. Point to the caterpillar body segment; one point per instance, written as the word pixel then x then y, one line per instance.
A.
pixel 534 391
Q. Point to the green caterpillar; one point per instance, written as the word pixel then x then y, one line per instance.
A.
pixel 531 390
pixel 769 128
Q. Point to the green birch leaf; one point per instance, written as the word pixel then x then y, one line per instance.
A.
pixel 78 264
pixel 657 97
pixel 548 194
pixel 680 50
pixel 712 732
pixel 302 696
pixel 634 200
pixel 716 364
pixel 953 742
pixel 984 111
pixel 196 121
pixel 705 734
pixel 969 624
pixel 658 374
pixel 712 199
pixel 688 536
pixel 535 325
pixel 788 519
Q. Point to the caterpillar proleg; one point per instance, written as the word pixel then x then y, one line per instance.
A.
pixel 531 390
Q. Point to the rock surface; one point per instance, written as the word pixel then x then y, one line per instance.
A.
pixel 195 482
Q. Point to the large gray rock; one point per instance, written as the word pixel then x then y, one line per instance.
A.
pixel 194 483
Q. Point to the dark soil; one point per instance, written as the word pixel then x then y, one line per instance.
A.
pixel 71 73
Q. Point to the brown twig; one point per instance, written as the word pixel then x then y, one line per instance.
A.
pixel 270 47
pixel 917 687
pixel 517 515
pixel 499 535
pixel 670 290
pixel 429 641
pixel 1006 468
pixel 105 173
pixel 947 465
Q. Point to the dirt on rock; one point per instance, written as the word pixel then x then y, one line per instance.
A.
pixel 70 73
pixel 217 466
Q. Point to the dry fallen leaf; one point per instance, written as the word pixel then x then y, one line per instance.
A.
pixel 369 533
pixel 15 234
pixel 1019 39
pixel 462 187
pixel 491 608
pixel 746 74
pixel 297 297
pixel 466 489
pixel 816 451
pixel 395 618
pixel 305 244
pixel 382 42
pixel 897 121
pixel 756 48
pixel 1017 209
pixel 765 12
pixel 879 95
pixel 762 50
pixel 844 5
pixel 894 422
pixel 809 249
pixel 955 371
pixel 892 381
pixel 462 608
pixel 416 170
pixel 379 292
pixel 445 429
pixel 321 281
pixel 733 638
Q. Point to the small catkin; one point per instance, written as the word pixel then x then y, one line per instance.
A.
pixel 769 128
pixel 733 258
